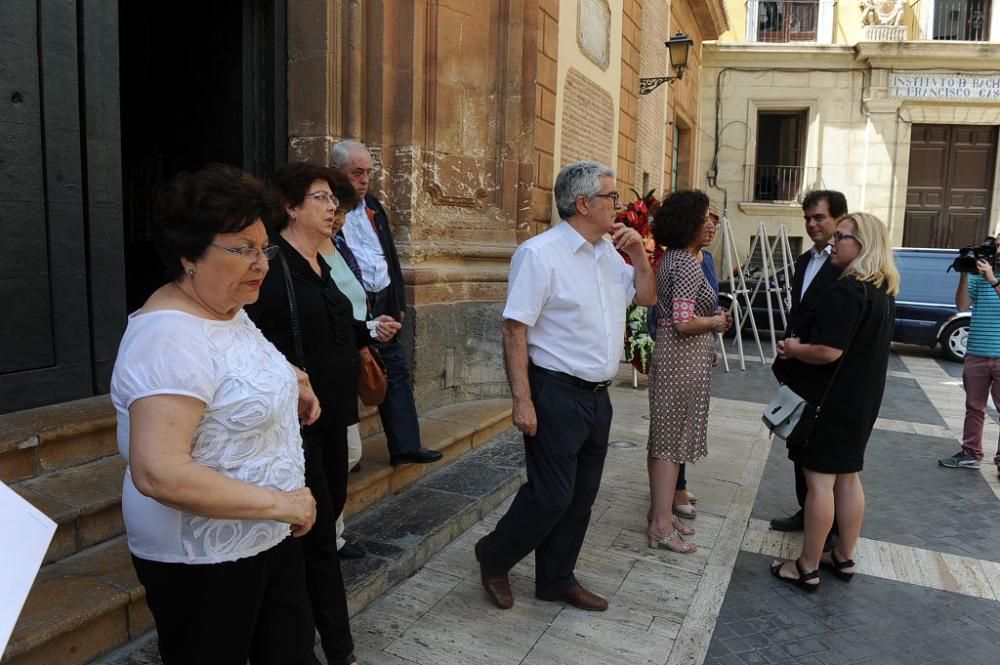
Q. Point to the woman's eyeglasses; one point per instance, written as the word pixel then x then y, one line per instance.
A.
pixel 838 236
pixel 324 198
pixel 250 253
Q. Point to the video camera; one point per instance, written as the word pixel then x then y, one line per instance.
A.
pixel 967 256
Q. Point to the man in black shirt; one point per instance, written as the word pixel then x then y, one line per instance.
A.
pixel 813 273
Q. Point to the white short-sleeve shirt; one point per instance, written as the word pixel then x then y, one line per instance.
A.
pixel 572 296
pixel 249 430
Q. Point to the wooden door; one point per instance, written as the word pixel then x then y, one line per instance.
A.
pixel 949 190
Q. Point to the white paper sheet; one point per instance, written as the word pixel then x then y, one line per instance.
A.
pixel 25 534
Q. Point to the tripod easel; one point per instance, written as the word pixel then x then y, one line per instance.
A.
pixel 732 270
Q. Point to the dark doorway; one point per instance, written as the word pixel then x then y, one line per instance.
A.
pixel 949 189
pixel 201 82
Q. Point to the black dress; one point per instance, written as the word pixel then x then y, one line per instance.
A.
pixel 837 444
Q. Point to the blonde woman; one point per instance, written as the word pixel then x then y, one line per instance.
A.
pixel 850 326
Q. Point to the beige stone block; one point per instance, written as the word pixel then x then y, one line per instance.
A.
pixel 307 99
pixel 550 37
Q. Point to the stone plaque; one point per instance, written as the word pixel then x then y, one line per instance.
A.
pixel 594 31
pixel 919 85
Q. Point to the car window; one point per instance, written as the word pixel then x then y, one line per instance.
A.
pixel 924 277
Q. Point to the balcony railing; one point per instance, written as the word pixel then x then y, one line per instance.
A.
pixel 966 20
pixel 787 20
pixel 767 182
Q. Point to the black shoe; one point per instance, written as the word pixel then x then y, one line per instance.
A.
pixel 418 456
pixel 794 523
pixel 351 551
pixel 356 468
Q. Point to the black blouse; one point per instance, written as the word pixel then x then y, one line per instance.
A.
pixel 330 335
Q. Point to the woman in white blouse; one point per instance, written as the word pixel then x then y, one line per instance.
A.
pixel 208 421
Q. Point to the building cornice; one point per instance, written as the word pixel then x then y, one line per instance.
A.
pixel 780 56
pixel 712 17
pixel 967 56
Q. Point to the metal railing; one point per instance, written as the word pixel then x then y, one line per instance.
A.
pixel 965 20
pixel 787 20
pixel 768 182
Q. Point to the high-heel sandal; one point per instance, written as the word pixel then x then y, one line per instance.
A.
pixel 802 581
pixel 681 527
pixel 836 566
pixel 668 542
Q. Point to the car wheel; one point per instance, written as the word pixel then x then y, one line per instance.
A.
pixel 954 339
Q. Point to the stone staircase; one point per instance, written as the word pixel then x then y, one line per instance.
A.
pixel 86 599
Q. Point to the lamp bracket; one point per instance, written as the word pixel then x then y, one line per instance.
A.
pixel 648 85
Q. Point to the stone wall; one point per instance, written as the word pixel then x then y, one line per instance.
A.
pixel 446 96
pixel 544 149
pixel 652 122
pixel 628 116
pixel 588 121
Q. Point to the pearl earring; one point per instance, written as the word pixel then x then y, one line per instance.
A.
pixel 191 272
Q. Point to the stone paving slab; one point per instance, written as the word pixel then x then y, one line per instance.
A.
pixel 870 621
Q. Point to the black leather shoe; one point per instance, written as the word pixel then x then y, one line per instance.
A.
pixel 794 523
pixel 418 456
pixel 351 551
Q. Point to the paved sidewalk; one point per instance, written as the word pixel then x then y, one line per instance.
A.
pixel 929 567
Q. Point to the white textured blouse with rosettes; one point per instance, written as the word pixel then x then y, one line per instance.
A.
pixel 249 430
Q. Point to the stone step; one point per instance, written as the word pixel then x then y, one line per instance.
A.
pixel 403 531
pixel 85 501
pixel 53 437
pixel 453 430
pixel 80 608
pixel 89 602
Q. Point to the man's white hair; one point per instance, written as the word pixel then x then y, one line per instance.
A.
pixel 576 180
pixel 341 151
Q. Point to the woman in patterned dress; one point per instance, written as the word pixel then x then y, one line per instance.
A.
pixel 682 360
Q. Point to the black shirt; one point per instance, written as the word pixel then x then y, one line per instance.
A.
pixel 330 335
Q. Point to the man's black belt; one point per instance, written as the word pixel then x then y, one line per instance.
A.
pixel 563 377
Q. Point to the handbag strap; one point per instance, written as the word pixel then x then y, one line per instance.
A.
pixel 293 311
pixel 850 341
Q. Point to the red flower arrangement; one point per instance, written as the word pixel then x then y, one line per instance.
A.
pixel 637 215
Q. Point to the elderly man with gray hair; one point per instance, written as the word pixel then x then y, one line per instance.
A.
pixel 563 326
pixel 368 235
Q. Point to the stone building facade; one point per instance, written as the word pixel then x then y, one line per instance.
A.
pixel 470 109
pixel 892 103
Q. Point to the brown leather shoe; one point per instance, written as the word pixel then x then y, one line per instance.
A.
pixel 576 596
pixel 497 586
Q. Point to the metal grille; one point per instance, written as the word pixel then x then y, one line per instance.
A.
pixel 966 20
pixel 779 183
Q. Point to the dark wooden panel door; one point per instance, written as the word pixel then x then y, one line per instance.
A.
pixel 45 339
pixel 949 190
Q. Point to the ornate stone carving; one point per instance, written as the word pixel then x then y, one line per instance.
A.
pixel 882 12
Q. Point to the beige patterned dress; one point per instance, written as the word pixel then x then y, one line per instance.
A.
pixel 681 369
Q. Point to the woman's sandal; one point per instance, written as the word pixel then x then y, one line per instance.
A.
pixel 669 542
pixel 837 566
pixel 802 581
pixel 681 527
pixel 685 510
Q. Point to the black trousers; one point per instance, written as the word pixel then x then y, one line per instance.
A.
pixel 226 613
pixel 565 460
pixel 325 451
pixel 800 485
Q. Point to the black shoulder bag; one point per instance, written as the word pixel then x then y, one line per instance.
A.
pixel 293 310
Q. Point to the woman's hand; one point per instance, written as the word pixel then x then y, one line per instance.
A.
pixel 986 270
pixel 297 508
pixel 309 408
pixel 386 327
pixel 721 322
pixel 788 347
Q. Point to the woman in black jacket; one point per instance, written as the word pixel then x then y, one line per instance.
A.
pixel 838 357
pixel 322 338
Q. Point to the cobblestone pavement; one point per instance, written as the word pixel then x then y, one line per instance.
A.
pixel 927 588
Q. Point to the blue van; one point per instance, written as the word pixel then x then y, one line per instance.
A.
pixel 925 307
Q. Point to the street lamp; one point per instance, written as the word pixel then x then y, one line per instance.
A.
pixel 678 47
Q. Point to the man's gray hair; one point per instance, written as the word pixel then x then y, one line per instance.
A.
pixel 341 151
pixel 578 179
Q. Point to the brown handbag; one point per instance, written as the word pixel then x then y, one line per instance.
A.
pixel 371 377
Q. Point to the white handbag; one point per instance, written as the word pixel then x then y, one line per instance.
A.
pixel 783 412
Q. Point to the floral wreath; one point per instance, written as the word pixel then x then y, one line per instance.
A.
pixel 638 342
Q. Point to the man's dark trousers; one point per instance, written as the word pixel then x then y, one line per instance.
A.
pixel 564 460
pixel 398 411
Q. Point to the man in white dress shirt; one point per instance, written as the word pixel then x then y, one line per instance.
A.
pixel 563 327
pixel 813 273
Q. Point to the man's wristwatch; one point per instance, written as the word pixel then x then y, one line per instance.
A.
pixel 995 283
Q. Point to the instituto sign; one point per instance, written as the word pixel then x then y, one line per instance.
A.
pixel 944 86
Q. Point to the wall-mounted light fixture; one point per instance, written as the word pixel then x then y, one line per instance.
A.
pixel 678 47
